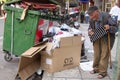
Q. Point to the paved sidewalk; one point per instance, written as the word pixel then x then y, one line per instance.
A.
pixel 8 70
pixel 77 73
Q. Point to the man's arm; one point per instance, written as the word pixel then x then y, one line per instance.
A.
pixel 113 26
pixel 119 18
pixel 90 30
pixel 111 11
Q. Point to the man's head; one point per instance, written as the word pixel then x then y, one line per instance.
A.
pixel 117 3
pixel 93 12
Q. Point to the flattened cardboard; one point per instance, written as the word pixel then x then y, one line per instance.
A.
pixel 29 66
pixel 30 62
pixel 33 50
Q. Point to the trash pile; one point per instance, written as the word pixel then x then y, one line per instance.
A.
pixel 47 11
pixel 55 33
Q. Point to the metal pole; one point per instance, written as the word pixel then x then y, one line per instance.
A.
pixel 12 33
pixel 109 50
pixel 103 5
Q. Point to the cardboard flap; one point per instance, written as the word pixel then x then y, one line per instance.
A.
pixel 49 48
pixel 70 41
pixel 33 50
pixel 67 41
pixel 77 40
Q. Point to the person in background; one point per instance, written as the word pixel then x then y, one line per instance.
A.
pixel 100 46
pixel 114 12
pixel 82 14
pixel 0 8
pixel 119 19
pixel 86 17
pixel 91 3
pixel 118 69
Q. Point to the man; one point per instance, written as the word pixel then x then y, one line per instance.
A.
pixel 86 17
pixel 114 12
pixel 2 9
pixel 82 14
pixel 118 66
pixel 101 54
pixel 119 18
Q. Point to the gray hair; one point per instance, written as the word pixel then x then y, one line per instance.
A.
pixel 92 9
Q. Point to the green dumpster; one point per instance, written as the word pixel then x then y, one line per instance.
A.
pixel 19 35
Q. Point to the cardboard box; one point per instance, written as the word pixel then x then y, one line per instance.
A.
pixel 65 57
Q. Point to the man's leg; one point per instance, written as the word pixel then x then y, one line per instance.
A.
pixel 96 60
pixel 104 60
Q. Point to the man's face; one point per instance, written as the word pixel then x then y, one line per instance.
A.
pixel 118 4
pixel 94 15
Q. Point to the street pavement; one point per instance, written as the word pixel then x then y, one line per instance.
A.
pixel 8 70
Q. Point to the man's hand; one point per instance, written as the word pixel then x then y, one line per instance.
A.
pixel 90 32
pixel 107 27
pixel 119 22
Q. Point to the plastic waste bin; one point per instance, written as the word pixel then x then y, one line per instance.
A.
pixel 19 35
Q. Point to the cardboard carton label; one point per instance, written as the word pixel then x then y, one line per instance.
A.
pixel 49 61
pixel 68 61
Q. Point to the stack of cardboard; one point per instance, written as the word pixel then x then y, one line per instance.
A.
pixel 65 57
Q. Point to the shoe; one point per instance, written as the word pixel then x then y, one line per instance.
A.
pixel 100 76
pixel 93 71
